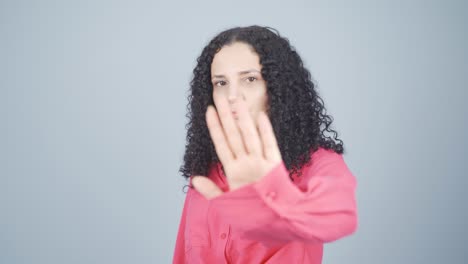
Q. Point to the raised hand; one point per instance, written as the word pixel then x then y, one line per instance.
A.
pixel 247 148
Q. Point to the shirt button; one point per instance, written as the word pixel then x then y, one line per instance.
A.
pixel 271 195
pixel 223 236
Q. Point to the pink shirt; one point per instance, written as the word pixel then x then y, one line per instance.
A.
pixel 274 220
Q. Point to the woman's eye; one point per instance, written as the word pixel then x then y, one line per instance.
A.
pixel 220 83
pixel 251 79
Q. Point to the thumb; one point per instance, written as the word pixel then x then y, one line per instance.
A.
pixel 206 187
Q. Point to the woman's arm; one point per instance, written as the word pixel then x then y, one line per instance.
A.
pixel 320 208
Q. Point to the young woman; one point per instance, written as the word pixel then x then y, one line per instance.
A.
pixel 266 184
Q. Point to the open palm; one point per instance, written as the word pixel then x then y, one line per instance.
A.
pixel 247 149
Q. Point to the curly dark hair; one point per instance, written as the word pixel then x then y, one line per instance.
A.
pixel 296 111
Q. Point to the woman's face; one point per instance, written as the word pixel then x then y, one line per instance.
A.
pixel 236 74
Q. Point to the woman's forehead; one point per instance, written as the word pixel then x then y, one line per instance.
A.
pixel 236 57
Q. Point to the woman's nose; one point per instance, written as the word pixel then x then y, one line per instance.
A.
pixel 233 94
pixel 232 98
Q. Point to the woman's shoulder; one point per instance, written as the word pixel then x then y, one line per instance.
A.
pixel 323 153
pixel 325 157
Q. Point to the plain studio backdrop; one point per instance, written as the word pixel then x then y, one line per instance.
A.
pixel 93 102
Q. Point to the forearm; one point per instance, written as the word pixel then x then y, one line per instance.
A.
pixel 275 210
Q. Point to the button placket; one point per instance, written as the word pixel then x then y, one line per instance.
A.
pixel 223 237
pixel 220 238
pixel 228 244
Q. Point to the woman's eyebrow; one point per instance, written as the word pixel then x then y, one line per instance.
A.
pixel 240 73
pixel 249 71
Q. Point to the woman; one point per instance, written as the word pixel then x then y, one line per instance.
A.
pixel 266 184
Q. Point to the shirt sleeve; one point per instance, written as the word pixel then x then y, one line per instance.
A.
pixel 179 251
pixel 320 208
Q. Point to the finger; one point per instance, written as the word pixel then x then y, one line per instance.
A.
pixel 271 150
pixel 230 127
pixel 217 135
pixel 206 187
pixel 248 129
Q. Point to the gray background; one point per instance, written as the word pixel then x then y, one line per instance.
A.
pixel 93 97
